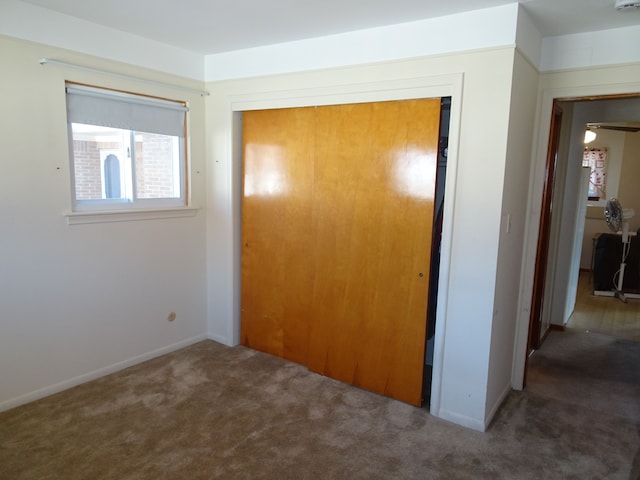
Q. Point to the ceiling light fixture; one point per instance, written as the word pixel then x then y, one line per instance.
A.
pixel 627 5
pixel 589 136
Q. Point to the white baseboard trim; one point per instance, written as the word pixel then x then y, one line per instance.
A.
pixel 218 338
pixel 496 406
pixel 101 372
pixel 462 420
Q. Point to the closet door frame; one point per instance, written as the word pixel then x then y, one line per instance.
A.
pixel 450 85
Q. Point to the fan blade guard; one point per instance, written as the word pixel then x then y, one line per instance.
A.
pixel 613 214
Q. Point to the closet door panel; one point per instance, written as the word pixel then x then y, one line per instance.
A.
pixel 374 185
pixel 276 231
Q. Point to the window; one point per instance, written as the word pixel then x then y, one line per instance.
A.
pixel 596 160
pixel 127 151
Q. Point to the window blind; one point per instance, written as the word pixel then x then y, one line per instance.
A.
pixel 94 106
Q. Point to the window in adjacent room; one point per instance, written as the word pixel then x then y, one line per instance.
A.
pixel 127 150
pixel 596 160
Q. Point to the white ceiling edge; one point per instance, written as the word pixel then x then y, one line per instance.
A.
pixel 448 34
pixel 41 25
pixel 591 49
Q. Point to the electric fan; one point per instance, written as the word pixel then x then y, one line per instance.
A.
pixel 618 219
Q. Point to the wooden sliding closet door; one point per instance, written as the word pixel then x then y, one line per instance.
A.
pixel 277 231
pixel 337 216
pixel 374 188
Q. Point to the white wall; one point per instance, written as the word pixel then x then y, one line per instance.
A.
pixel 78 301
pixel 514 211
pixel 591 49
pixel 30 22
pixel 442 35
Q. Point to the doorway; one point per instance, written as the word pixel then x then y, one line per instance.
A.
pixel 563 235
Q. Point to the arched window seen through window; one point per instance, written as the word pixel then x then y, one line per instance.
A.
pixel 112 176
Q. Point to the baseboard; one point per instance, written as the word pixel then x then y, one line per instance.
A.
pixel 218 338
pixel 474 423
pixel 93 375
pixel 496 406
pixel 462 420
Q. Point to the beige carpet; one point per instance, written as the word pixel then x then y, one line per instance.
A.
pixel 209 412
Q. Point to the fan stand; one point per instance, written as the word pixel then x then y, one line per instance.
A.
pixel 618 291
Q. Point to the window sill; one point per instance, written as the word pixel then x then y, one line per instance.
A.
pixel 79 218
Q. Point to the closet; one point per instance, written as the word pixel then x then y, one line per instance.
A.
pixel 337 216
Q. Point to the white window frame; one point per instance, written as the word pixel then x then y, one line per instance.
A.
pixel 87 100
